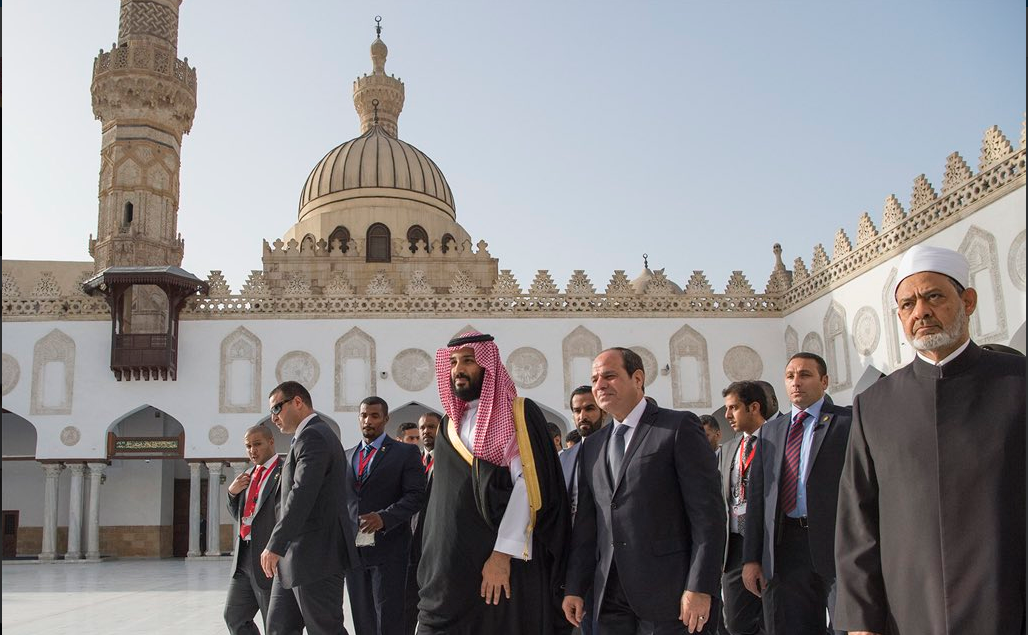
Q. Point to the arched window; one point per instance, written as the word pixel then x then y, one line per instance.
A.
pixel 341 234
pixel 447 241
pixel 126 217
pixel 378 244
pixel 307 244
pixel 414 234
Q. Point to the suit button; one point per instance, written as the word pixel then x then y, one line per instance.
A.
pixel 613 505
pixel 624 544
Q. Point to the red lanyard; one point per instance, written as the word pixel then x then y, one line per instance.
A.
pixel 257 490
pixel 744 466
pixel 364 461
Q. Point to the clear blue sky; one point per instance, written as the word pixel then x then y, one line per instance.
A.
pixel 575 135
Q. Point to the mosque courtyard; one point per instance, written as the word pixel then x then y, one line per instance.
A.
pixel 117 597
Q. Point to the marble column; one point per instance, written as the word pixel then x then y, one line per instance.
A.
pixel 214 504
pixel 75 512
pixel 52 471
pixel 194 510
pixel 96 472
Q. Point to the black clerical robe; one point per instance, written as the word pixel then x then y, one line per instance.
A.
pixel 461 524
pixel 930 536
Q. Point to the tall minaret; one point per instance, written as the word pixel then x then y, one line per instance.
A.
pixel 145 97
pixel 378 87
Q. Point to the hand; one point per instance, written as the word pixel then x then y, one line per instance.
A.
pixel 863 633
pixel 496 577
pixel 753 578
pixel 695 610
pixel 574 609
pixel 370 523
pixel 239 483
pixel 269 562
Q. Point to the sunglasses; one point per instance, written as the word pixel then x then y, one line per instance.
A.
pixel 277 408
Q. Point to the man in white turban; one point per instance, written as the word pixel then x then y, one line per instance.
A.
pixel 930 535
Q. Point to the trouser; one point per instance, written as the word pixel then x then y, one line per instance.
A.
pixel 797 598
pixel 410 600
pixel 616 616
pixel 376 597
pixel 318 606
pixel 743 612
pixel 245 597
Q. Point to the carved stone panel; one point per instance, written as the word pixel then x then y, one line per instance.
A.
pixel 742 363
pixel 812 344
pixel 239 385
pixel 356 375
pixel 1015 261
pixel 413 369
pixel 70 436
pixel 649 363
pixel 12 373
pixel 893 332
pixel 527 367
pixel 866 330
pixel 837 348
pixel 989 321
pixel 53 374
pixel 690 369
pixel 299 366
pixel 218 435
pixel 579 349
pixel 792 342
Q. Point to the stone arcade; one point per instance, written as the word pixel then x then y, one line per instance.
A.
pixel 375 273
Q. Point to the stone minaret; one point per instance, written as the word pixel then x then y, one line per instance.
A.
pixel 145 97
pixel 385 89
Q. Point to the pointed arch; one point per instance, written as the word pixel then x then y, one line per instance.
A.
pixel 355 372
pixel 893 329
pixel 307 244
pixel 690 369
pixel 342 234
pixel 378 244
pixel 812 344
pixel 989 321
pixel 792 342
pixel 19 436
pixel 414 234
pixel 580 348
pixel 837 347
pixel 239 385
pixel 53 374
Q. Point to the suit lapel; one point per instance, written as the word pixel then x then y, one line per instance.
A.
pixel 824 420
pixel 270 485
pixel 378 459
pixel 732 448
pixel 638 436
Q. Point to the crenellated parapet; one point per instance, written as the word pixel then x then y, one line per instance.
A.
pixel 1001 170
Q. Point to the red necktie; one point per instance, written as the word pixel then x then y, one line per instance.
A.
pixel 251 501
pixel 428 461
pixel 791 468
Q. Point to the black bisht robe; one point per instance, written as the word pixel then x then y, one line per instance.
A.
pixel 461 524
pixel 930 536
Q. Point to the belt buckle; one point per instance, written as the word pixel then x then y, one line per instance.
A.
pixel 803 522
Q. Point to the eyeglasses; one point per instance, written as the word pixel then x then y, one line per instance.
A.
pixel 277 408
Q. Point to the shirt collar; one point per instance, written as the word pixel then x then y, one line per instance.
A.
pixel 949 357
pixel 303 424
pixel 813 410
pixel 270 462
pixel 377 443
pixel 632 420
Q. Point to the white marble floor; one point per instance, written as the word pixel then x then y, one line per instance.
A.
pixel 119 597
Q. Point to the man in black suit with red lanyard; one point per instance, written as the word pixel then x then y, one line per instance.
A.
pixel 649 531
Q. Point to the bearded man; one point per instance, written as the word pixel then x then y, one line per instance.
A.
pixel 497 519
pixel 930 536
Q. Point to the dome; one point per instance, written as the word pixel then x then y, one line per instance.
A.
pixel 376 160
pixel 642 281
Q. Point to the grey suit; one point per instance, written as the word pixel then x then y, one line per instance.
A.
pixel 250 590
pixel 312 536
pixel 799 563
pixel 655 530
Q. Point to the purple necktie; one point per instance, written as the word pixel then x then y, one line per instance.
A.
pixel 791 468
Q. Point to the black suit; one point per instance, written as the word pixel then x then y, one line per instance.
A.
pixel 413 591
pixel 657 530
pixel 743 613
pixel 312 536
pixel 395 489
pixel 798 563
pixel 250 590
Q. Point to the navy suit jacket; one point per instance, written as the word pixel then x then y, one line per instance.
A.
pixel 661 520
pixel 824 469
pixel 395 489
pixel 312 534
pixel 264 519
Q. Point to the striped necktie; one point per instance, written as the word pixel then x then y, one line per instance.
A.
pixel 791 467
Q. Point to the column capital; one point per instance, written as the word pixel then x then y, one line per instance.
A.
pixel 77 469
pixel 96 468
pixel 194 468
pixel 52 470
pixel 215 467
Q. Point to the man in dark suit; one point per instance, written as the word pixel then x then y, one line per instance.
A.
pixel 745 403
pixel 387 490
pixel 428 427
pixel 310 546
pixel 648 537
pixel 794 489
pixel 253 502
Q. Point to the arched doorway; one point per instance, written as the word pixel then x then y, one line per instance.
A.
pixel 22 488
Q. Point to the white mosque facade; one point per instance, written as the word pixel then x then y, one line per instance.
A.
pixel 128 382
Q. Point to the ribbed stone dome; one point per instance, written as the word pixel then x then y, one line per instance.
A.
pixel 376 160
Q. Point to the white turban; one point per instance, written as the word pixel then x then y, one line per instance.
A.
pixel 920 258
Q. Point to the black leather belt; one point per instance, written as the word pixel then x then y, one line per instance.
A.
pixel 800 522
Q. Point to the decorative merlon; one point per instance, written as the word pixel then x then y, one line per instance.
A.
pixel 698 285
pixel 922 195
pixel 892 213
pixel 957 173
pixel 995 148
pixel 842 246
pixel 865 229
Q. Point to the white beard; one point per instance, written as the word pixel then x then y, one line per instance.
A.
pixel 956 333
